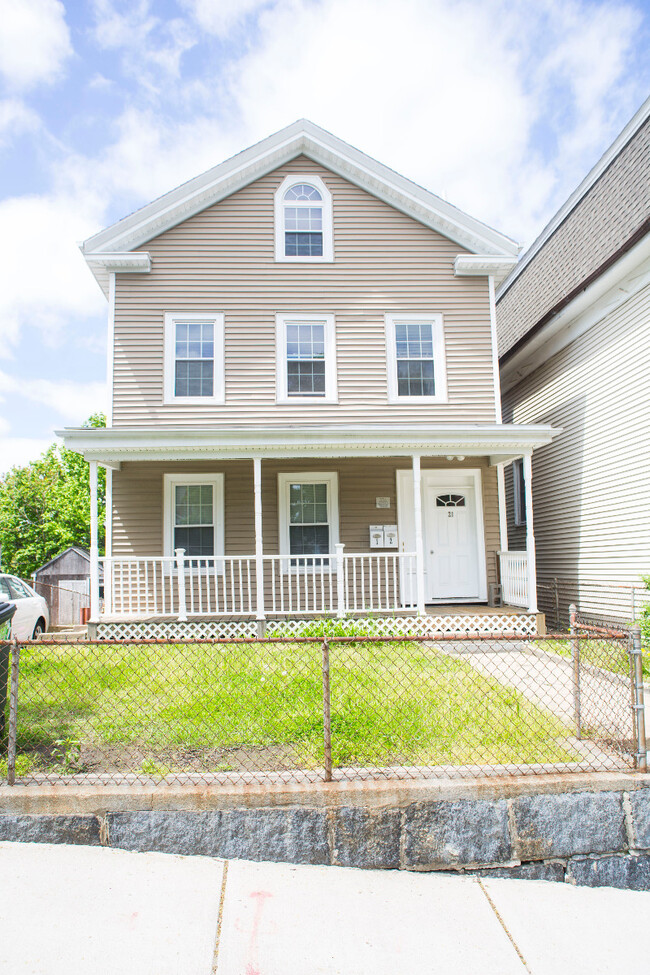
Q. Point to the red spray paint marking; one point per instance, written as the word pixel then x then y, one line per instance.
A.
pixel 252 966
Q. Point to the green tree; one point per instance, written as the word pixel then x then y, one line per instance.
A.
pixel 45 507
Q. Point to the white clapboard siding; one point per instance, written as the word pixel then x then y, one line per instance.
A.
pixel 223 260
pixel 591 486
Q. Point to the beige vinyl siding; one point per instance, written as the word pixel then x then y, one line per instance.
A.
pixel 591 486
pixel 138 502
pixel 223 260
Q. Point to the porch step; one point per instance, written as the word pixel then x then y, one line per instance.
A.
pixel 73 633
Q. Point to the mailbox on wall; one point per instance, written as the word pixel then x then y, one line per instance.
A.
pixel 383 536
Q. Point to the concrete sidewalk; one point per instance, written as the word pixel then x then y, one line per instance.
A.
pixel 73 909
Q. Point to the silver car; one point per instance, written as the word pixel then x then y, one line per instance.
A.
pixel 32 615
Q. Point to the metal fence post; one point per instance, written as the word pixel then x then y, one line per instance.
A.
pixel 575 667
pixel 4 682
pixel 639 701
pixel 180 573
pixel 556 592
pixel 327 712
pixel 13 715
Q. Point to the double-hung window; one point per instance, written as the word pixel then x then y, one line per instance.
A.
pixel 194 368
pixel 308 510
pixel 193 514
pixel 303 220
pixel 306 367
pixel 416 359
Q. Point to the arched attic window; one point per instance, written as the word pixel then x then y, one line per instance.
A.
pixel 303 220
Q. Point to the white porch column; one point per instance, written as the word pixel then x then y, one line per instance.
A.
pixel 108 544
pixel 94 546
pixel 503 514
pixel 530 535
pixel 419 541
pixel 259 545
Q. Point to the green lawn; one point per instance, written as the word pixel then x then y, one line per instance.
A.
pixel 607 654
pixel 158 708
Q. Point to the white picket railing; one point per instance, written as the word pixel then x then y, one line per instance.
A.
pixel 184 586
pixel 514 578
pixel 379 583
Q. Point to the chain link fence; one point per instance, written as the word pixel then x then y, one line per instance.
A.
pixel 319 708
pixel 601 603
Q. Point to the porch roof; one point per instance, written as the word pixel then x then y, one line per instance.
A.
pixel 502 443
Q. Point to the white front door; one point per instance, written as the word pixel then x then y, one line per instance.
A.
pixel 451 551
pixel 453 534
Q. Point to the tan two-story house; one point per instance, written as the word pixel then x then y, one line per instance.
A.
pixel 305 407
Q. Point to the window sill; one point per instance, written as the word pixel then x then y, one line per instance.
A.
pixel 303 260
pixel 418 399
pixel 307 401
pixel 194 401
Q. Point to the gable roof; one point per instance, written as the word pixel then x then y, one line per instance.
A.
pixel 109 249
pixel 84 553
pixel 603 219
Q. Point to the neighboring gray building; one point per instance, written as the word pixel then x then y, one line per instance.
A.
pixel 573 322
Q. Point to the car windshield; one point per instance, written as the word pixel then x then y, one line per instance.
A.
pixel 18 588
pixel 5 592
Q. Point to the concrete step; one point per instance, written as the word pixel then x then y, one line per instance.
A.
pixel 72 633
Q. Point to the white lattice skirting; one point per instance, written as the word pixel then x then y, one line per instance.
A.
pixel 518 624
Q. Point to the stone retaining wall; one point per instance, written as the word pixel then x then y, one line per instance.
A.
pixel 592 832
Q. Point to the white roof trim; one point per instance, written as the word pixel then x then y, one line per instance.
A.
pixel 608 292
pixel 300 138
pixel 499 441
pixel 474 265
pixel 592 177
pixel 104 264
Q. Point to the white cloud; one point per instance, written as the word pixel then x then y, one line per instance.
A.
pixel 151 48
pixel 449 93
pixel 74 401
pixel 44 280
pixel 18 451
pixel 16 118
pixel 221 17
pixel 34 42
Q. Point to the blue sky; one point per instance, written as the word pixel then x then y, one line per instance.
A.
pixel 500 106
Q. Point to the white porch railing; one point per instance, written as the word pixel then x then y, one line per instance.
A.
pixel 227 585
pixel 514 578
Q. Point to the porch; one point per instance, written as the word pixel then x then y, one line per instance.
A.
pixel 159 590
pixel 310 522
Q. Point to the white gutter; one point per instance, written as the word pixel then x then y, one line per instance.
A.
pixel 620 282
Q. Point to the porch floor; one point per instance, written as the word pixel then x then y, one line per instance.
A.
pixel 449 609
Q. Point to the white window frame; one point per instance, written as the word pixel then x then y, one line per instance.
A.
pixel 282 395
pixel 439 361
pixel 330 478
pixel 326 203
pixel 519 491
pixel 170 482
pixel 218 388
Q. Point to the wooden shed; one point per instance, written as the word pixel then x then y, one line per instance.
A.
pixel 64 581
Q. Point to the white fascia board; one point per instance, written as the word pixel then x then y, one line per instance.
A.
pixel 615 286
pixel 302 137
pixel 106 263
pixel 182 443
pixel 487 265
pixel 590 179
